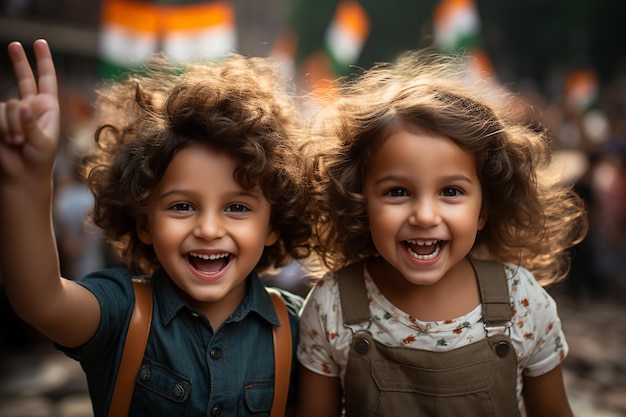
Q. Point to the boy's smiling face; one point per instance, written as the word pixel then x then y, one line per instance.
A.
pixel 207 230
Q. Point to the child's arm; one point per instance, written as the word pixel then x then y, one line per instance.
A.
pixel 29 133
pixel 544 396
pixel 318 395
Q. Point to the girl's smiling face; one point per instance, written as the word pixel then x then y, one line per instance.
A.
pixel 424 203
pixel 208 232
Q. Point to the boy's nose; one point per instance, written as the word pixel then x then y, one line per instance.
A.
pixel 209 226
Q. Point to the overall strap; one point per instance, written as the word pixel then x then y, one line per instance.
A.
pixel 494 292
pixel 134 348
pixel 353 294
pixel 282 355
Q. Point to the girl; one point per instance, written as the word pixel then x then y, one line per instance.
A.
pixel 197 184
pixel 425 176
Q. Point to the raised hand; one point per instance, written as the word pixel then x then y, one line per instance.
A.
pixel 29 126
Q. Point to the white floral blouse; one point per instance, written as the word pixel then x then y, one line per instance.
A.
pixel 536 333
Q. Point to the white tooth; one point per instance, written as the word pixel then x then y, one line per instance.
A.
pixel 422 242
pixel 212 257
pixel 425 257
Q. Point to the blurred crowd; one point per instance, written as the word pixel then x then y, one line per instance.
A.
pixel 587 122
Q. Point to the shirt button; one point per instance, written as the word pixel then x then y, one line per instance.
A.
pixel 178 391
pixel 144 373
pixel 216 411
pixel 216 353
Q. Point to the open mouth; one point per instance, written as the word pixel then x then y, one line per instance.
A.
pixel 424 250
pixel 209 264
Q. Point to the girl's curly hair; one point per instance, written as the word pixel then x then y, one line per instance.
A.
pixel 531 219
pixel 238 106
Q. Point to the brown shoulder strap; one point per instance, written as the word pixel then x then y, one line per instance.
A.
pixel 282 355
pixel 494 290
pixel 353 294
pixel 137 336
pixel 134 349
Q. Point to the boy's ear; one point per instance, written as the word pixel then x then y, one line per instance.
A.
pixel 144 233
pixel 272 237
pixel 482 219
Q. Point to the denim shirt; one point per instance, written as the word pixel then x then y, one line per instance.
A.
pixel 188 368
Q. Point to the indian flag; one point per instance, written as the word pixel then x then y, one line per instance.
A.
pixel 346 35
pixel 456 25
pixel 132 31
pixel 457 30
pixel 128 35
pixel 581 90
pixel 200 32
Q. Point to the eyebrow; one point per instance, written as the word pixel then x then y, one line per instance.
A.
pixel 449 178
pixel 236 194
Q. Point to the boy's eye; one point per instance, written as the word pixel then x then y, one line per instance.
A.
pixel 182 207
pixel 237 208
pixel 397 192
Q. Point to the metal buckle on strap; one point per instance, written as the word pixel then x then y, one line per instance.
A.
pixel 493 329
pixel 358 329
pixel 360 337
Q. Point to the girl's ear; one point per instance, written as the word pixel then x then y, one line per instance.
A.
pixel 143 232
pixel 272 237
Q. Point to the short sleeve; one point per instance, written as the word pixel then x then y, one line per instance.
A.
pixel 538 325
pixel 323 339
pixel 113 289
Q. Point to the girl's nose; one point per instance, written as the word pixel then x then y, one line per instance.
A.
pixel 424 214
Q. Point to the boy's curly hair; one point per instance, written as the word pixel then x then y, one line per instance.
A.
pixel 238 106
pixel 531 220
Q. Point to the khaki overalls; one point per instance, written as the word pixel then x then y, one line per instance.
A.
pixel 476 380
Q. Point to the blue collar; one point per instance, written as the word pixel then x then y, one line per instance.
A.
pixel 170 302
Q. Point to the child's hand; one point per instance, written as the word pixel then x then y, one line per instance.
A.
pixel 29 127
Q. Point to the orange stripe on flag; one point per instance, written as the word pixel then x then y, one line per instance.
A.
pixel 351 16
pixel 200 17
pixel 140 17
pixel 447 8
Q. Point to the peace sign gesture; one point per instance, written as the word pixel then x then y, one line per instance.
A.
pixel 29 126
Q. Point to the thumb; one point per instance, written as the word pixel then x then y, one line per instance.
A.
pixel 30 125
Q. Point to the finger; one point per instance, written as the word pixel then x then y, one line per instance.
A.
pixel 11 123
pixel 26 84
pixel 4 125
pixel 45 68
pixel 15 121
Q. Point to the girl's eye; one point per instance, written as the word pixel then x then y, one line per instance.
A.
pixel 397 192
pixel 182 207
pixel 237 208
pixel 451 192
